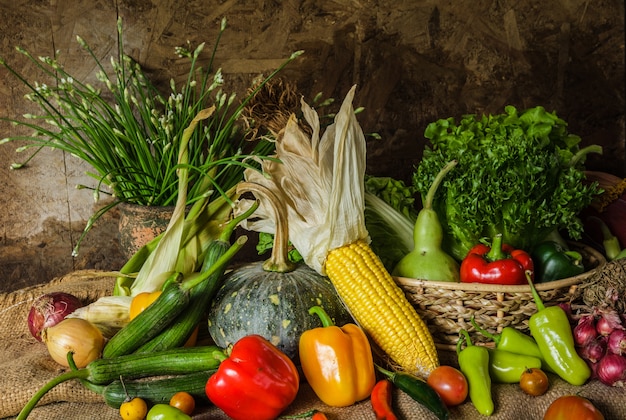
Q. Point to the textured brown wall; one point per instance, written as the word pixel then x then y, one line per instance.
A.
pixel 414 62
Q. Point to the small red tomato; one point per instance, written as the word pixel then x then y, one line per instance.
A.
pixel 449 383
pixel 534 382
pixel 572 407
pixel 184 401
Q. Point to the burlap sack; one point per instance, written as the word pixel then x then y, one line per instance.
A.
pixel 26 366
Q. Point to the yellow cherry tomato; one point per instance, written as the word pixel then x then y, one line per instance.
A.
pixel 135 409
pixel 141 302
pixel 184 401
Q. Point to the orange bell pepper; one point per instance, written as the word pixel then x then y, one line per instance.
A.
pixel 337 362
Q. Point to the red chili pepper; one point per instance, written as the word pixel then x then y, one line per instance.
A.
pixel 257 381
pixel 498 264
pixel 381 400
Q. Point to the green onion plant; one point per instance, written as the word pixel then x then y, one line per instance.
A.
pixel 129 131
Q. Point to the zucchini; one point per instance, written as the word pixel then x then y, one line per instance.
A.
pixel 157 390
pixel 107 371
pixel 203 287
pixel 150 322
pixel 169 362
pixel 179 331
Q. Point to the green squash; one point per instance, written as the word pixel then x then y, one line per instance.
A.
pixel 272 304
pixel 272 298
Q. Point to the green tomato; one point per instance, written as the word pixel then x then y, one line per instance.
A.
pixel 166 412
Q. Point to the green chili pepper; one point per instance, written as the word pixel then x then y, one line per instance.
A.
pixel 553 333
pixel 166 412
pixel 474 363
pixel 513 340
pixel 553 262
pixel 507 368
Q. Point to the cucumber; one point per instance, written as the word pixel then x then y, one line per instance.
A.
pixel 169 362
pixel 157 390
pixel 107 371
pixel 179 331
pixel 150 322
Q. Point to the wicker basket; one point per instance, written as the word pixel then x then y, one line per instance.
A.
pixel 448 307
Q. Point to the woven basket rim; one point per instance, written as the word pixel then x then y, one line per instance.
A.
pixel 593 255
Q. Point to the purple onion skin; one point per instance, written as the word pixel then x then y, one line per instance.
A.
pixel 595 350
pixel 611 370
pixel 585 331
pixel 50 309
pixel 617 342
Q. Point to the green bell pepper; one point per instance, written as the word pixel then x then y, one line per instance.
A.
pixel 552 331
pixel 474 363
pixel 166 412
pixel 507 368
pixel 553 262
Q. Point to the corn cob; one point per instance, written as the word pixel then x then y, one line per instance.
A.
pixel 380 307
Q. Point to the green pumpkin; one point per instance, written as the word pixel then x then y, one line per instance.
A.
pixel 272 298
pixel 272 304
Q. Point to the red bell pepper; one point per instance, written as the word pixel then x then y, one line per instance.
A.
pixel 257 381
pixel 498 264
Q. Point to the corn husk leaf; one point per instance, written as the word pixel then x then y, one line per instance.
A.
pixel 326 203
pixel 161 263
pixel 109 315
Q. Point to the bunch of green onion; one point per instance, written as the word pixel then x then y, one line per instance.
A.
pixel 130 133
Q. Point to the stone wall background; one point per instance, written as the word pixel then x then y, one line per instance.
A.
pixel 414 62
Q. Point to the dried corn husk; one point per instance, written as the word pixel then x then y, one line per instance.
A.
pixel 326 205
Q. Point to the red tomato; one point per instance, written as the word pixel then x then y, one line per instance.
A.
pixel 572 407
pixel 449 383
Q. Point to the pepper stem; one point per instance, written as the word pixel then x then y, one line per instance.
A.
pixel 321 313
pixel 493 337
pixel 464 337
pixel 496 253
pixel 387 373
pixel 536 297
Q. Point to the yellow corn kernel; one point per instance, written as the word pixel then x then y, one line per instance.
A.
pixel 381 308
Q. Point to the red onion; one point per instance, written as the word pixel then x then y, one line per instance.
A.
pixel 585 330
pixel 594 350
pixel 617 342
pixel 607 322
pixel 567 308
pixel 50 309
pixel 611 370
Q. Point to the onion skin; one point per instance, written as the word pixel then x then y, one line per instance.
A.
pixel 50 309
pixel 74 335
pixel 611 370
pixel 617 342
pixel 585 330
pixel 594 350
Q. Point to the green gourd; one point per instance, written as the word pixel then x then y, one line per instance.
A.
pixel 272 298
pixel 427 260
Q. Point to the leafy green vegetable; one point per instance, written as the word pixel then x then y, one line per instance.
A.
pixel 266 243
pixel 518 174
pixel 390 215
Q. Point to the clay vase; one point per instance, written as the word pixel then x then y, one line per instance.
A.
pixel 138 225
